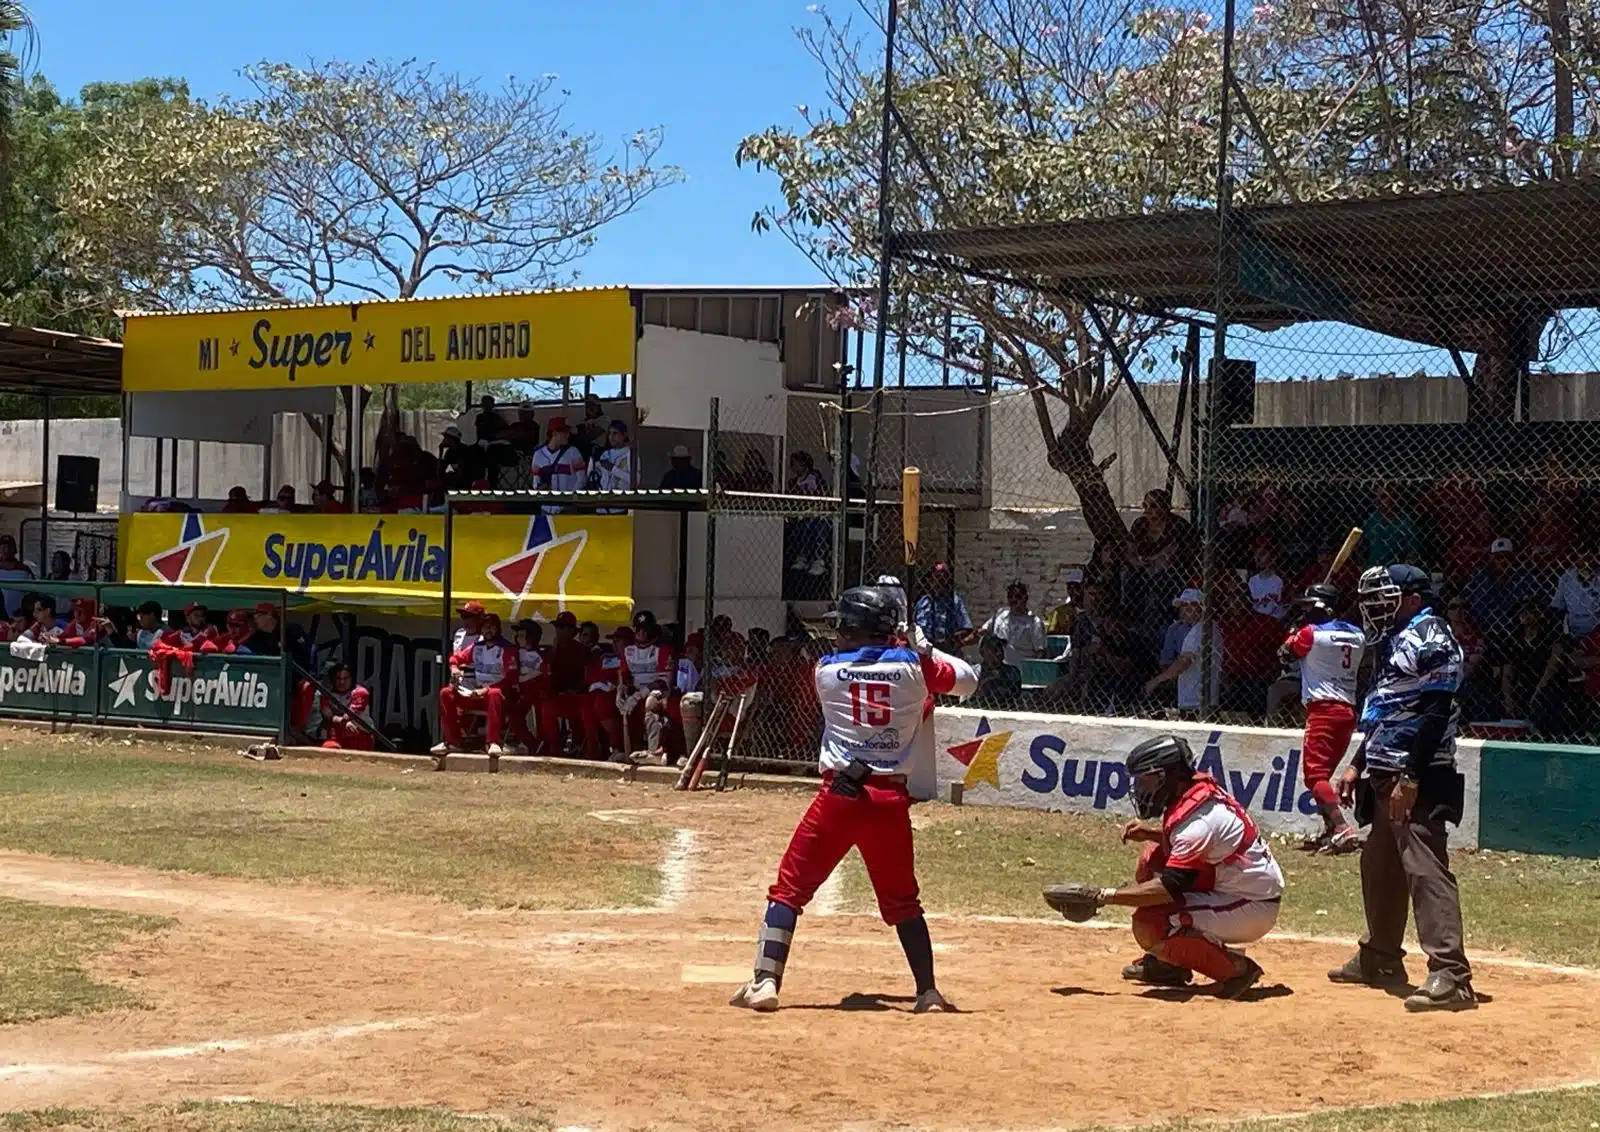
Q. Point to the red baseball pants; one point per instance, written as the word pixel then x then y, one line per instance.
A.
pixel 453 705
pixel 1329 725
pixel 348 737
pixel 574 708
pixel 878 823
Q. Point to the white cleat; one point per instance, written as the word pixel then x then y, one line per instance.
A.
pixel 760 995
pixel 495 750
pixel 440 749
pixel 932 1002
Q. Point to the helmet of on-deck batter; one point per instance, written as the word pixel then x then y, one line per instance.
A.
pixel 872 610
pixel 1160 768
pixel 1381 590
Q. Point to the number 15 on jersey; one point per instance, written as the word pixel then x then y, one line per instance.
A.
pixel 871 703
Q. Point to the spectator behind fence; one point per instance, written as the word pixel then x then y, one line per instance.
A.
pixel 1062 617
pixel 1468 549
pixel 589 438
pixel 1184 672
pixel 1160 555
pixel 1391 535
pixel 999 683
pixel 1577 594
pixel 941 613
pixel 1498 589
pixel 1266 586
pixel 1019 627
pixel 238 502
pixel 12 569
pixel 1547 549
pixel 60 567
pixel 681 475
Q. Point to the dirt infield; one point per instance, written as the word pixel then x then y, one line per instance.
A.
pixel 615 1019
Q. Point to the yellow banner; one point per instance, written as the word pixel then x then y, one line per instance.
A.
pixel 517 565
pixel 480 338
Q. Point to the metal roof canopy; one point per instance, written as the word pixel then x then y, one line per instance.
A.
pixel 40 362
pixel 1444 269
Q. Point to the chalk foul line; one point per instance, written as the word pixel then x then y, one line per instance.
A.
pixel 315 1036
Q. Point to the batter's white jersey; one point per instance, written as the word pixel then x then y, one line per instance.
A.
pixel 1330 658
pixel 874 701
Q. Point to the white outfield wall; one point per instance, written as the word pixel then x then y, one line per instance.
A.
pixel 1074 764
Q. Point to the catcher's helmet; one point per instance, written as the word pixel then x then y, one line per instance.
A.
pixel 1167 756
pixel 872 610
pixel 1381 590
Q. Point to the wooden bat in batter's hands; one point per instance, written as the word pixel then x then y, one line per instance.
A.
pixel 911 511
pixel 1351 541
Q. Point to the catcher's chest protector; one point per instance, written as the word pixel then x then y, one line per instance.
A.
pixel 1205 789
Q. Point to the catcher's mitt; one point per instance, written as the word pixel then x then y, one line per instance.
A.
pixel 1077 902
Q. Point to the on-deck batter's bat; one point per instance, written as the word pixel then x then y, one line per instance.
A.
pixel 911 511
pixel 1351 540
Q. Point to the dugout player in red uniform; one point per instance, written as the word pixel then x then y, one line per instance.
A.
pixel 1329 653
pixel 877 696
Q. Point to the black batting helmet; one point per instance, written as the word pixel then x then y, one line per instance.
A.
pixel 868 609
pixel 1320 600
pixel 1165 755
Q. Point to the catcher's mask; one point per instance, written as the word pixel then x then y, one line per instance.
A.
pixel 869 610
pixel 1381 591
pixel 1160 769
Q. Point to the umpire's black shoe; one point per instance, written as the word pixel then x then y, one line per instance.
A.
pixel 1358 970
pixel 1442 992
pixel 1149 970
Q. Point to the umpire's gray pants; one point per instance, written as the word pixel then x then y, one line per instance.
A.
pixel 1403 865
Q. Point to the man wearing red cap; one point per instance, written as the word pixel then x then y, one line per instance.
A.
pixel 483 674
pixel 86 626
pixel 471 625
pixel 557 465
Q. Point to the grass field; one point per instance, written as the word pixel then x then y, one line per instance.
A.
pixel 42 954
pixel 987 860
pixel 465 838
pixel 1558 1111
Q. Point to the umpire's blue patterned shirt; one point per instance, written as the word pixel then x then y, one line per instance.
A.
pixel 1419 657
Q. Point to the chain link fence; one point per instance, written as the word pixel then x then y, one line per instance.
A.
pixel 1400 270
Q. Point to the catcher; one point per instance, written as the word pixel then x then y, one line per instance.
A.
pixel 1205 880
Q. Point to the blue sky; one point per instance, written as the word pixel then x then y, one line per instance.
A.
pixel 709 71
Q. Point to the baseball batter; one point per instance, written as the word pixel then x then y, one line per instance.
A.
pixel 1329 652
pixel 877 697
pixel 1207 878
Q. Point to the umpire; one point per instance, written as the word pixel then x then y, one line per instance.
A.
pixel 1405 785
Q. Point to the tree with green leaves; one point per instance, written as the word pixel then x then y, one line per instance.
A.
pixel 343 182
pixel 1023 111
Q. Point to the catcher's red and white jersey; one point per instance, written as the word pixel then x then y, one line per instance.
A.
pixel 1330 658
pixel 874 701
pixel 1218 838
pixel 649 665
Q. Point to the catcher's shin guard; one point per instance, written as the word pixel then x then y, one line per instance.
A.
pixel 772 943
pixel 1194 952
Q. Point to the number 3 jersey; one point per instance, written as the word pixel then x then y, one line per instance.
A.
pixel 874 701
pixel 1330 657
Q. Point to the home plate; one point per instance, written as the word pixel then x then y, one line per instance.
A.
pixel 706 973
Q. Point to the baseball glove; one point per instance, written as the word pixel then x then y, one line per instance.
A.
pixel 1077 902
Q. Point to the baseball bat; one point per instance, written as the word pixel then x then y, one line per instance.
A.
pixel 911 511
pixel 1351 540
